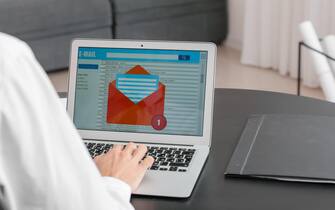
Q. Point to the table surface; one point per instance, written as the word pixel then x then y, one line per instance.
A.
pixel 215 191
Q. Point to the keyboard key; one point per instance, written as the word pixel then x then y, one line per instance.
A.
pixel 161 155
pixel 187 153
pixel 179 156
pixel 152 154
pixel 179 164
pixel 180 160
pixel 161 159
pixel 154 168
pixel 168 152
pixel 182 170
pixel 164 163
pixel 163 169
pixel 170 156
pixel 173 168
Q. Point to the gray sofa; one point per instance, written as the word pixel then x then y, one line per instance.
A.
pixel 48 26
pixel 191 20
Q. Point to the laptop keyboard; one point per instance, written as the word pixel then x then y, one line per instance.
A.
pixel 166 158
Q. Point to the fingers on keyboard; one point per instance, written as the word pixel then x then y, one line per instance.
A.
pixel 165 158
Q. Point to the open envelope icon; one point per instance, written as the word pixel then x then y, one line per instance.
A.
pixel 122 110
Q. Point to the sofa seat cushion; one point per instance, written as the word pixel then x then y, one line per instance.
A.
pixel 36 19
pixel 133 5
pixel 152 10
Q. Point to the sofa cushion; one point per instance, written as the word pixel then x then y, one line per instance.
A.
pixel 53 52
pixel 132 5
pixel 162 9
pixel 36 19
pixel 211 26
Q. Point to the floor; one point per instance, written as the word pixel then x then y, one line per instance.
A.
pixel 230 73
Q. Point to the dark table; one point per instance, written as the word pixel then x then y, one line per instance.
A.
pixel 215 191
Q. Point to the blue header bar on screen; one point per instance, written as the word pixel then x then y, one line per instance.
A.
pixel 152 55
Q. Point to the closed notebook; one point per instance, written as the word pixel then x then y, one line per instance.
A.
pixel 286 147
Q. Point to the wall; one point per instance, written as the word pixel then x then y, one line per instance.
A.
pixel 236 20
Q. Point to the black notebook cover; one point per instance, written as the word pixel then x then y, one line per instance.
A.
pixel 286 147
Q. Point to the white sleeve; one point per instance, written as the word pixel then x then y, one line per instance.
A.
pixel 43 161
pixel 118 188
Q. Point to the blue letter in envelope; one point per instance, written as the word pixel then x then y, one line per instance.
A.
pixel 137 86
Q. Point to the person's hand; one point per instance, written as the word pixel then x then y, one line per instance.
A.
pixel 125 163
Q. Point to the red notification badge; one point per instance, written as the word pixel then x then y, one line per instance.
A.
pixel 158 122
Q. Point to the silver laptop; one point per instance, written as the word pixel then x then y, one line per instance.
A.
pixel 152 92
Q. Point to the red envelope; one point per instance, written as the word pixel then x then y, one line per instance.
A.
pixel 121 110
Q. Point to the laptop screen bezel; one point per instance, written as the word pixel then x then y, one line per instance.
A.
pixel 205 139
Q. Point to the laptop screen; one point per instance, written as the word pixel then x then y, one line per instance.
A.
pixel 140 90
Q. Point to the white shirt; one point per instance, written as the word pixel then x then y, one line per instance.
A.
pixel 43 161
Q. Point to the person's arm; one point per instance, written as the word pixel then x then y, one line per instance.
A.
pixel 43 161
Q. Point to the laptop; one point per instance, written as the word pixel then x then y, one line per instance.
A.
pixel 157 93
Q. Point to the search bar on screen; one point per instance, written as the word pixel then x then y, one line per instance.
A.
pixel 142 56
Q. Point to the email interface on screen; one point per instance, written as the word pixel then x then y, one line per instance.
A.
pixel 140 90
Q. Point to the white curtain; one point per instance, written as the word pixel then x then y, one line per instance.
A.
pixel 271 33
